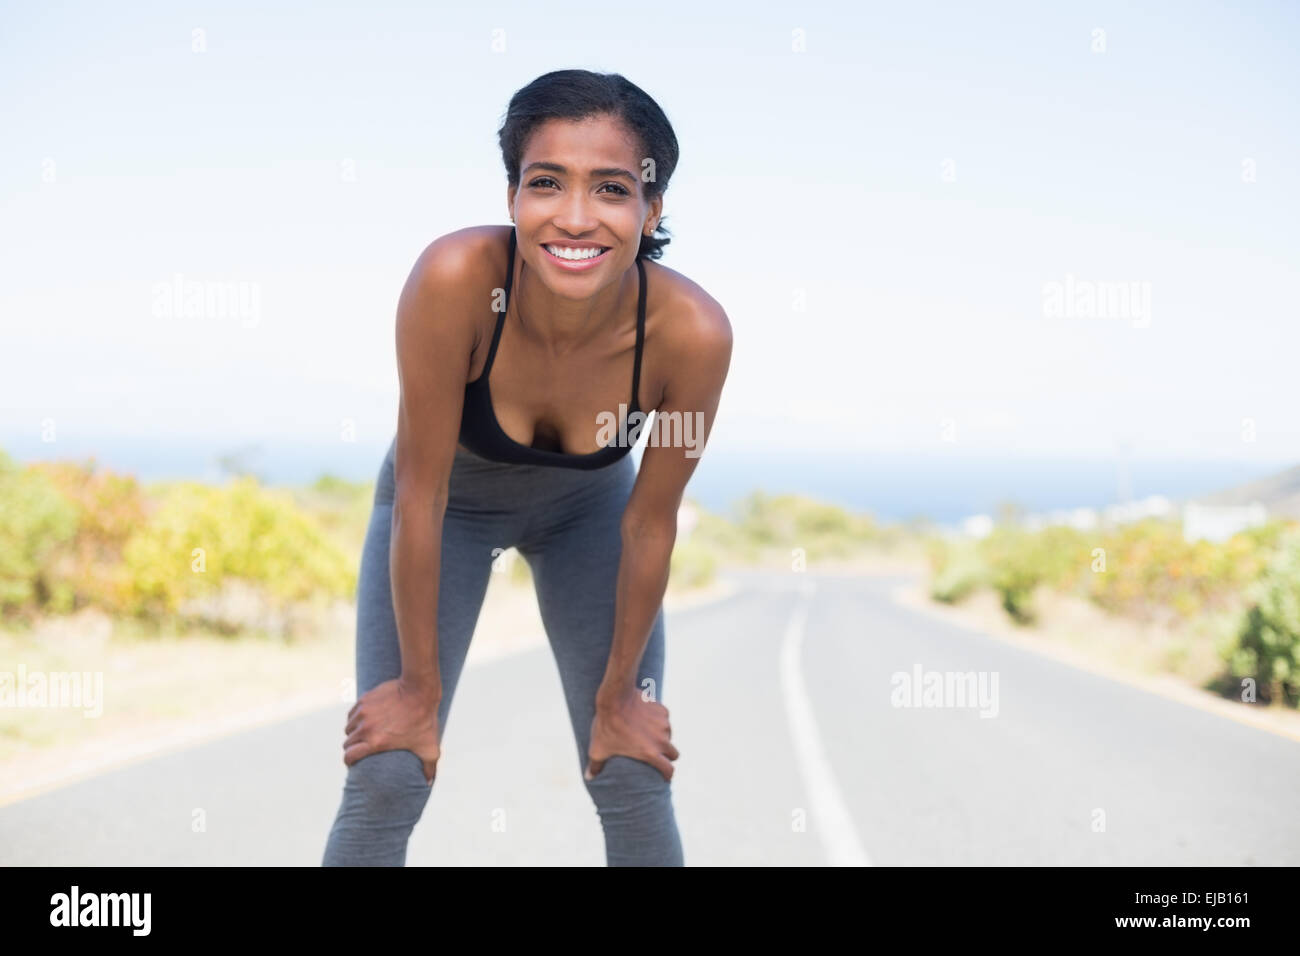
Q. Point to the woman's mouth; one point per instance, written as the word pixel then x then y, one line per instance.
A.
pixel 575 260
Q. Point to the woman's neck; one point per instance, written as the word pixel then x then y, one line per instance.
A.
pixel 560 325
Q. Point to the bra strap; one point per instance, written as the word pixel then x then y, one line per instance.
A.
pixel 640 334
pixel 501 316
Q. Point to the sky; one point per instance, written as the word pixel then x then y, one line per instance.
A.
pixel 913 214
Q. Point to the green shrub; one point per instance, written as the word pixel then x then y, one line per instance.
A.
pixel 693 564
pixel 785 522
pixel 198 536
pixel 342 508
pixel 36 522
pixel 961 572
pixel 1064 555
pixel 723 538
pixel 1015 569
pixel 109 508
pixel 1150 565
pixel 1267 644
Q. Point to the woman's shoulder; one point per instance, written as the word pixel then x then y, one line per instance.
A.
pixel 685 316
pixel 688 334
pixel 465 255
pixel 451 287
pixel 455 276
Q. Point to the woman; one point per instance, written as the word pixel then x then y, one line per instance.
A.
pixel 563 309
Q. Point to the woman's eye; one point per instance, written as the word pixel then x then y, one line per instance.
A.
pixel 546 182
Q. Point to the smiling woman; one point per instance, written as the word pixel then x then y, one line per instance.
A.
pixel 569 316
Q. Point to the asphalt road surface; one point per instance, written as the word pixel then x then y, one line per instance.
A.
pixel 786 706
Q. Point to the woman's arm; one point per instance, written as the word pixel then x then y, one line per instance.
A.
pixel 435 339
pixel 434 343
pixel 700 361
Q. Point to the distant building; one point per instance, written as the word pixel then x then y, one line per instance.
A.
pixel 1220 522
pixel 1152 506
pixel 1084 519
pixel 1211 522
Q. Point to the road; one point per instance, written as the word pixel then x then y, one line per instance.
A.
pixel 793 752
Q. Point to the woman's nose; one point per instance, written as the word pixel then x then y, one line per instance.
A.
pixel 576 215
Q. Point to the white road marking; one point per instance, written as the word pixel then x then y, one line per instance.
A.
pixel 830 817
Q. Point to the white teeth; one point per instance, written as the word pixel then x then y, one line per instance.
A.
pixel 573 254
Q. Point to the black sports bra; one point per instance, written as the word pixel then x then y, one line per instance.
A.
pixel 481 432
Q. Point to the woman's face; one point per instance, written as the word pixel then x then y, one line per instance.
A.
pixel 580 188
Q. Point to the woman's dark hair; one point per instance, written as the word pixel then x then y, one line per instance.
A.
pixel 577 95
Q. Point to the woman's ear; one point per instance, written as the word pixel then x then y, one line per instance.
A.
pixel 652 220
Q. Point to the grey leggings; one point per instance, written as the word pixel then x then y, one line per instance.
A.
pixel 565 524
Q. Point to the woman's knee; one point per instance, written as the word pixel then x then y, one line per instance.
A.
pixel 626 785
pixel 389 785
pixel 634 802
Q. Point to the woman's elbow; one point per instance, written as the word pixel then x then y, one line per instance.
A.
pixel 640 529
pixel 416 503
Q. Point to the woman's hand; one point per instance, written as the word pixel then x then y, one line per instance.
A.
pixel 394 716
pixel 629 725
